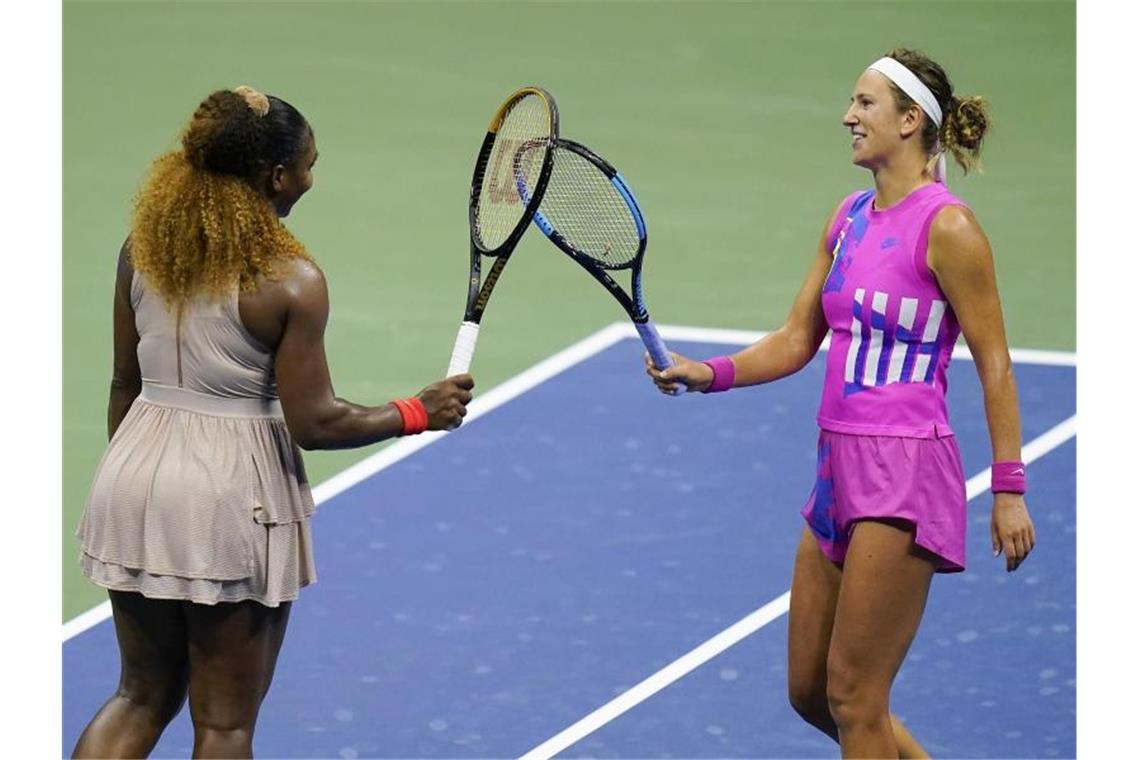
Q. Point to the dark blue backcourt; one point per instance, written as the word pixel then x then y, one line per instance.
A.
pixel 488 591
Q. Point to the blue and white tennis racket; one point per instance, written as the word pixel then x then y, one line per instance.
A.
pixel 590 213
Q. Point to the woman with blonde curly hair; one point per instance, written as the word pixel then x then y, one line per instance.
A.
pixel 901 269
pixel 197 521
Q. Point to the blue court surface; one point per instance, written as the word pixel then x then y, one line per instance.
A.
pixel 488 591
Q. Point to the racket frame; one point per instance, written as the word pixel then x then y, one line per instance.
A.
pixel 477 296
pixel 635 305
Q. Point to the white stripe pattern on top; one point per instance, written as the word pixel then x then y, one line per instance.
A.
pixel 907 309
pixel 871 365
pixel 856 340
pixel 929 334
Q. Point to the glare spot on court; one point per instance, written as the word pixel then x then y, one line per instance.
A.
pixel 1060 628
pixel 631 443
pixel 433 567
pixel 343 714
pixel 401 617
pixel 1034 630
pixel 443 527
pixel 439 724
pixel 483 670
pixel 369 679
pixel 1032 580
pixel 1047 673
pixel 1046 691
pixel 348 752
pixel 1012 734
pixel 377 545
pixel 729 674
pixel 714 730
pixel 988 703
pixel 624 512
pixel 970 577
pixel 525 637
pixel 629 573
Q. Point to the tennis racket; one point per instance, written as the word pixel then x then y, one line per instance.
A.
pixel 590 213
pixel 506 189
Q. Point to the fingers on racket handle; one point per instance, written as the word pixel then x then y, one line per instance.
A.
pixel 464 349
pixel 652 340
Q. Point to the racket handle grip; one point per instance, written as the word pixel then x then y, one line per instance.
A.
pixel 464 348
pixel 652 340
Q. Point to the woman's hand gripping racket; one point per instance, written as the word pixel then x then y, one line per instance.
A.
pixel 506 189
pixel 590 213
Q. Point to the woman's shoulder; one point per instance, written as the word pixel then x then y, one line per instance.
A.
pixel 295 282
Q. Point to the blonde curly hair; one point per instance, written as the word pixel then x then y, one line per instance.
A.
pixel 965 120
pixel 199 225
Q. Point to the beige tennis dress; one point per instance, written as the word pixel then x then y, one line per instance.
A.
pixel 201 494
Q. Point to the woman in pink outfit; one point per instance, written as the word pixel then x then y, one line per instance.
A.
pixel 900 271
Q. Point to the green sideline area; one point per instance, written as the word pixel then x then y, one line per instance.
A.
pixel 723 117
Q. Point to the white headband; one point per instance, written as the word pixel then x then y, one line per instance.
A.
pixel 919 93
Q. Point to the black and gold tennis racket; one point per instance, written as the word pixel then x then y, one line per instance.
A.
pixel 506 189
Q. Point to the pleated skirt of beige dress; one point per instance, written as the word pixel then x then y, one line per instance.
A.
pixel 200 498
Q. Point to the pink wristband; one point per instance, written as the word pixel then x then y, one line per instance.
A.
pixel 724 374
pixel 1007 477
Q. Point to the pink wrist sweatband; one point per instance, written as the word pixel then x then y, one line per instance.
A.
pixel 724 374
pixel 1007 477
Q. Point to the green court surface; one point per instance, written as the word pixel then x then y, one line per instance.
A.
pixel 723 117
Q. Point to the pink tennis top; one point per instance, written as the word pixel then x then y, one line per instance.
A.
pixel 892 329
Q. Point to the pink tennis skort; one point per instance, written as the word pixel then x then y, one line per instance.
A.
pixel 919 480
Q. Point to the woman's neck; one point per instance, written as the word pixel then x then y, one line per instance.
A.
pixel 895 182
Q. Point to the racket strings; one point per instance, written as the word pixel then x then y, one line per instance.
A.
pixel 517 155
pixel 583 205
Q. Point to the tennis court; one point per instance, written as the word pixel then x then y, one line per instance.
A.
pixel 482 592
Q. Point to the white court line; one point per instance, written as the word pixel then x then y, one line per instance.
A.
pixel 748 625
pixel 516 386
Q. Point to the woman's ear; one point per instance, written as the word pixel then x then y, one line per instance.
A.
pixel 911 121
pixel 277 179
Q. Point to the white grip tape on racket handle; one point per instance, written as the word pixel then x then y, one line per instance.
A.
pixel 464 349
pixel 652 340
